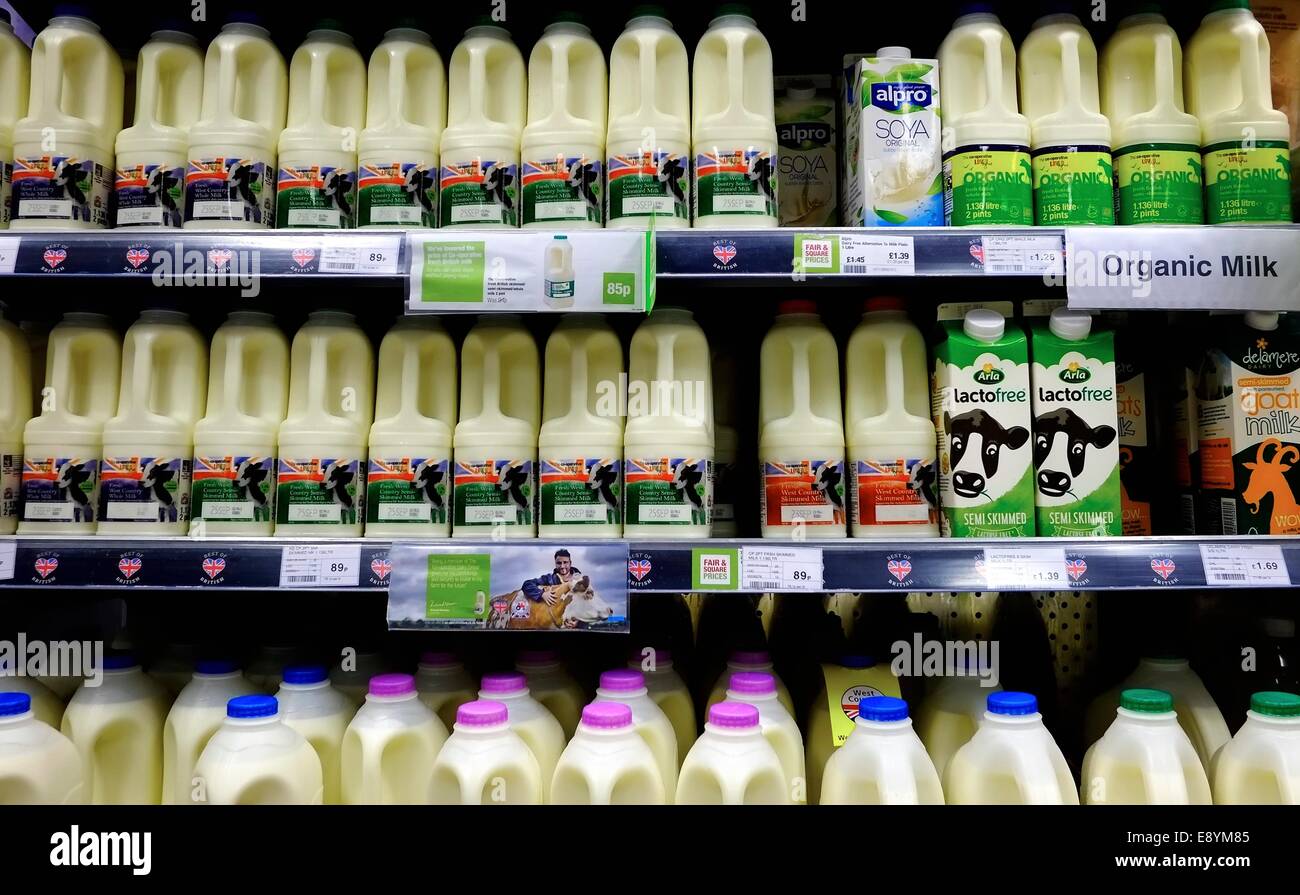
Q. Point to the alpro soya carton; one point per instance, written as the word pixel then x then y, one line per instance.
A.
pixel 1076 428
pixel 805 132
pixel 980 402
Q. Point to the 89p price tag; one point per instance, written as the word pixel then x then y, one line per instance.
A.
pixel 1244 565
pixel 781 569
pixel 378 256
pixel 320 566
pixel 1025 568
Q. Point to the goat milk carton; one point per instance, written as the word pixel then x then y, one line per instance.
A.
pixel 980 402
pixel 805 132
pixel 1076 428
pixel 893 160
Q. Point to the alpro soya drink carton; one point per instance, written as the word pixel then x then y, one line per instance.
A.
pixel 805 128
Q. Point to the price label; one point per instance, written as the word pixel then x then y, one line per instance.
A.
pixel 1241 564
pixel 781 569
pixel 1025 568
pixel 1015 253
pixel 378 256
pixel 8 552
pixel 320 566
pixel 879 256
pixel 9 253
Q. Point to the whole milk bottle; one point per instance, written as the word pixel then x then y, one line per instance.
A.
pixel 669 691
pixel 732 763
pixel 487 93
pixel 15 414
pixel 1011 760
pixel 254 758
pixel 749 662
pixel 409 479
pixel 311 706
pixel 606 763
pixel 484 762
pixel 1261 764
pixel 1144 758
pixel 15 72
pixel 534 722
pixel 882 762
pixel 390 745
pixel 650 722
pixel 648 142
pixel 38 765
pixel 194 717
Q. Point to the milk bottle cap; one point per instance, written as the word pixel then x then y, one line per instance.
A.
pixel 506 682
pixel 392 685
pixel 975 8
pixel 607 715
pixel 305 674
pixel 894 53
pixel 21 703
pixel 1012 703
pixel 734 715
pixel 796 306
pixel 1073 326
pixel 1220 5
pixel 622 681
pixel 566 17
pixel 1153 702
pixel 120 662
pixel 882 709
pixel 253 707
pixel 857 661
pixel 749 657
pixel 438 660
pixel 1276 704
pixel 732 9
pixel 215 666
pixel 1263 321
pixel 984 325
pixel 482 713
pixel 885 303
pixel 73 11
pixel 649 11
pixel 752 683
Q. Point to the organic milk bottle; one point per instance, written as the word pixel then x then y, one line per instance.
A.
pixel 1011 760
pixel 750 662
pixel 444 685
pixel 831 717
pixel 484 762
pixel 235 444
pixel 63 146
pixel 987 172
pixel 148 447
pixel 726 444
pixel 670 693
pixel 118 729
pixel 230 181
pixel 1076 427
pixel 195 716
pixel 606 763
pixel 151 154
pixel 317 183
pixel 1261 764
pixel 390 745
pixel 1145 758
pixel 495 443
pixel 733 125
pixel 321 481
pixel 1074 180
pixel 255 758
pixel 648 144
pixel 38 765
pixel 408 487
pixel 893 491
pixel 530 719
pixel 779 726
pixel 15 73
pixel 651 722
pixel 668 443
pixel 563 149
pixel 801 427
pixel 980 402
pixel 882 762
pixel 487 102
pixel 309 705
pixel 950 713
pixel 1158 169
pixel 46 705
pixel 551 685
pixel 580 447
pixel 406 110
pixel 1245 142
pixel 732 763
pixel 15 414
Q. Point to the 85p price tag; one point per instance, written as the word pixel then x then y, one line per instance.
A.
pixel 1025 568
pixel 320 566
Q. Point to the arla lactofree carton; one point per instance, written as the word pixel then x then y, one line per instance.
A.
pixel 1076 428
pixel 805 133
pixel 980 401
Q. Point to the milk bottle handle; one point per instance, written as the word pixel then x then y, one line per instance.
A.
pixel 736 68
pixel 317 380
pixel 53 92
pixel 560 81
pixel 398 61
pixel 1166 75
pixel 478 81
pixel 319 71
pixel 1162 785
pixel 1038 768
pixel 372 774
pixel 1253 86
pixel 646 56
pixel 142 371
pixel 410 405
pixel 1071 73
pixel 146 86
pixel 993 71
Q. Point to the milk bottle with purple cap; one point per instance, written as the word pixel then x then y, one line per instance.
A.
pixel 607 762
pixel 389 748
pixel 444 685
pixel 651 722
pixel 758 661
pixel 670 693
pixel 530 719
pixel 484 762
pixel 732 763
pixel 778 725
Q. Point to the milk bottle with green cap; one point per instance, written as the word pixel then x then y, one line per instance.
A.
pixel 15 71
pixel 1145 758
pixel 1261 764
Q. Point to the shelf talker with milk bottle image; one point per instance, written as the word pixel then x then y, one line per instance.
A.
pixel 558 283
pixel 484 762
pixel 409 480
pixel 316 184
pixel 235 443
pixel 882 762
pixel 63 146
pixel 487 105
pixel 563 146
pixel 321 479
pixel 1145 758
pixel 580 447
pixel 38 765
pixel 15 414
pixel 606 763
pixel 231 177
pixel 254 758
pixel 15 73
pixel 149 188
pixel 1261 764
pixel 1011 760
pixel 406 110
pixel 648 144
pixel 1245 141
pixel 148 461
pixel 1158 171
pixel 733 125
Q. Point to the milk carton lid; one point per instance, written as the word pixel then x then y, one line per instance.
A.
pixel 984 325
pixel 607 715
pixel 622 680
pixel 1073 326
pixel 752 683
pixel 504 682
pixel 1146 701
pixel 252 707
pixel 392 684
pixel 20 704
pixel 734 715
pixel 215 666
pixel 1012 703
pixel 882 708
pixel 1276 704
pixel 483 713
pixel 305 674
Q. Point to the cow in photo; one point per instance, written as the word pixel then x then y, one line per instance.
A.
pixel 417 184
pixel 687 478
pixel 828 484
pixel 976 445
pixel 760 172
pixel 249 476
pixel 584 178
pixel 671 171
pixel 159 188
pixel 921 480
pixel 601 480
pixel 154 479
pixel 510 482
pixel 240 177
pixel 69 178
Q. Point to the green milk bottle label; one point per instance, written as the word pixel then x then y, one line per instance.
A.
pixel 1073 185
pixel 1160 183
pixel 1248 183
pixel 988 185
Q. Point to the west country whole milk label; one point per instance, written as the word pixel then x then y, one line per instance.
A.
pixel 807 492
pixel 648 184
pixel 234 488
pixel 565 188
pixel 902 492
pixel 230 189
pixel 320 491
pixel 989 185
pixel 11 482
pixel 1074 185
pixel 668 491
pixel 315 197
pixel 397 194
pixel 479 191
pixel 59 489
pixel 495 492
pixel 1248 184
pixel 736 182
pixel 582 491
pixel 150 196
pixel 415 490
pixel 1160 183
pixel 62 188
pixel 145 489
pixel 1137 474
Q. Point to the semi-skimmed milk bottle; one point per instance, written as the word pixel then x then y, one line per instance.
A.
pixel 670 693
pixel 321 481
pixel 558 283
pixel 987 170
pixel 406 110
pixel 38 765
pixel 534 722
pixel 648 143
pixel 311 706
pixel 1261 764
pixel 194 717
pixel 15 413
pixel 650 722
pixel 580 447
pixel 1145 758
pixel 882 762
pixel 1011 760
pixel 779 726
pixel 390 745
pixel 487 105
pixel 606 763
pixel 551 684
pixel 231 178
pixel 235 443
pixel 1245 142
pixel 317 182
pixel 484 762
pixel 63 146
pixel 732 763
pixel 254 758
pixel 408 483
pixel 495 443
pixel 563 145
pixel 444 685
pixel 733 125
pixel 149 446
pixel 1158 171
pixel 669 440
pixel 15 73
pixel 149 189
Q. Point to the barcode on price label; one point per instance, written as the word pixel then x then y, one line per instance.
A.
pixel 1257 565
pixel 320 566
pixel 9 253
pixel 890 256
pixel 1025 568
pixel 781 569
pixel 1023 254
pixel 8 552
pixel 375 257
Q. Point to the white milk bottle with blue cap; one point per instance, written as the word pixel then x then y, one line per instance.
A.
pixel 733 125
pixel 149 188
pixel 390 746
pixel 651 723
pixel 406 110
pixel 486 111
pixel 231 178
pixel 606 763
pixel 15 73
pixel 235 443
pixel 62 446
pixel 1261 764
pixel 47 705
pixel 534 722
pixel 563 145
pixel 1011 760
pixel 732 763
pixel 779 727
pixel 311 706
pixel 63 146
pixel 38 765
pixel 254 758
pixel 484 762
pixel 321 480
pixel 882 762
pixel 648 141
pixel 194 717
pixel 316 187
pixel 149 446
pixel 1145 758
pixel 408 483
pixel 444 684
pixel 15 413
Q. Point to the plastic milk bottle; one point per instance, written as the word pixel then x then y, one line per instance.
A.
pixel 779 726
pixel 670 693
pixel 444 685
pixel 559 277
pixel 530 719
pixel 352 678
pixel 15 413
pixel 38 765
pixel 835 709
pixel 46 705
pixel 732 763
pixel 15 74
pixel 606 763
pixel 254 758
pixel 1145 758
pixel 551 685
pixel 951 713
pixel 882 762
pixel 311 706
pixel 753 662
pixel 651 722
pixel 390 745
pixel 1261 764
pixel 195 716
pixel 484 762
pixel 1011 760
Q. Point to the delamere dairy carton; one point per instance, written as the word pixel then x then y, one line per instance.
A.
pixel 805 133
